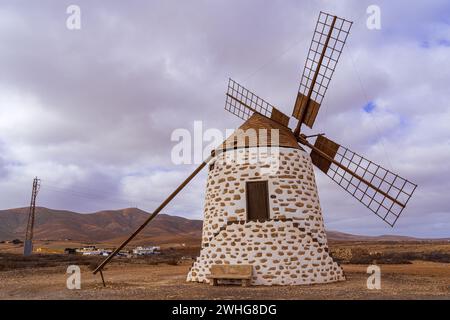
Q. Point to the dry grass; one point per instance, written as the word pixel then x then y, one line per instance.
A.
pixel 9 261
pixel 390 252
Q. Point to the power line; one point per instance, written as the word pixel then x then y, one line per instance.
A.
pixel 366 97
pixel 273 59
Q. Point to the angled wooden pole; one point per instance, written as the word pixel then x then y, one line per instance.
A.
pixel 153 215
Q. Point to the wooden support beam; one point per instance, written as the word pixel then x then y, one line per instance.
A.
pixel 153 215
pixel 103 279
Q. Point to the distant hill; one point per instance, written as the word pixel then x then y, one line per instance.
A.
pixel 341 236
pixel 116 225
pixel 99 226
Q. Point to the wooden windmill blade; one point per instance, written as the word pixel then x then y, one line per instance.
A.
pixel 326 46
pixel 382 191
pixel 243 103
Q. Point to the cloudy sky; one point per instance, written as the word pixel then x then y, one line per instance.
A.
pixel 91 111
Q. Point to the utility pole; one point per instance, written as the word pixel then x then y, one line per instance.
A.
pixel 28 247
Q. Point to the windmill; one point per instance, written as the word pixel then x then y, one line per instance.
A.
pixel 273 221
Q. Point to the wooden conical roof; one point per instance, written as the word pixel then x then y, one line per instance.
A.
pixel 245 137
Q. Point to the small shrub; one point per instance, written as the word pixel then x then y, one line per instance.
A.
pixel 172 262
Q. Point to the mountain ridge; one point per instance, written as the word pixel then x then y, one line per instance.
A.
pixel 105 225
pixel 110 225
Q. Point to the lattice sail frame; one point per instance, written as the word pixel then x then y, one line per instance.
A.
pixel 243 103
pixel 379 178
pixel 339 34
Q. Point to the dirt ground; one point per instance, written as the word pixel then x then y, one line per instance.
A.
pixel 409 270
pixel 419 280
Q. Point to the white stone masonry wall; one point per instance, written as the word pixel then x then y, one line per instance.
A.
pixel 281 254
pixel 291 248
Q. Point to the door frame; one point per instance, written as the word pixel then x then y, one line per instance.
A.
pixel 266 183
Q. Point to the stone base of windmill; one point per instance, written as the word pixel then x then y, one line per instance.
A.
pixel 280 251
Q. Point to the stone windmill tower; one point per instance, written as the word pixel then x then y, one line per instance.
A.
pixel 262 206
pixel 262 209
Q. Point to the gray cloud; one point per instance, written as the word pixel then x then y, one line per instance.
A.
pixel 92 111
